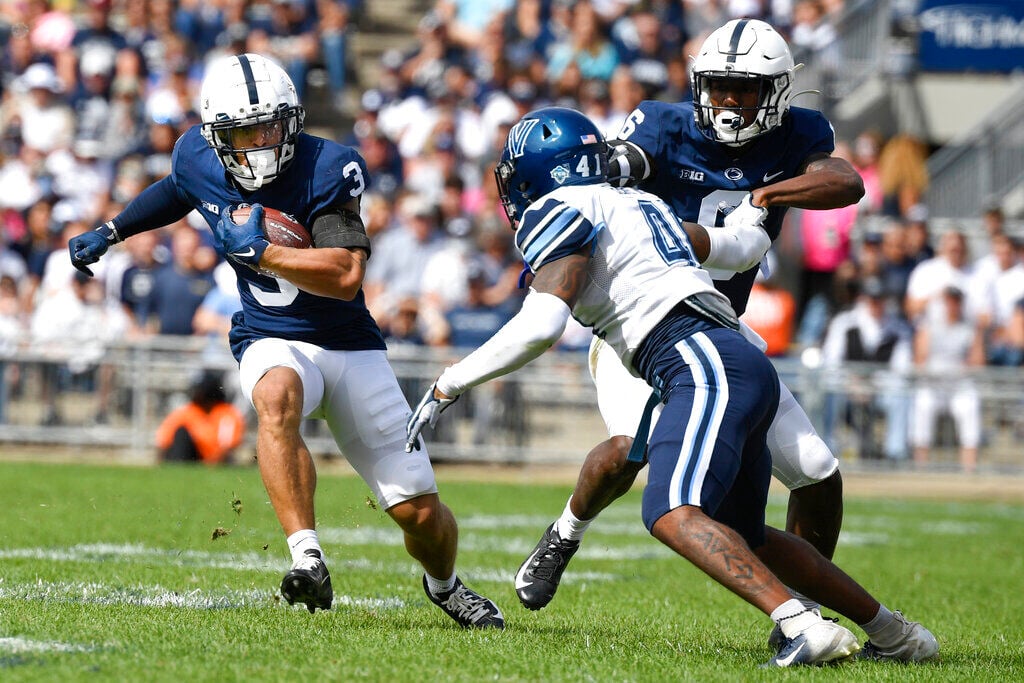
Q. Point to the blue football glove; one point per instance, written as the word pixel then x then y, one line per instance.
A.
pixel 427 412
pixel 87 248
pixel 243 243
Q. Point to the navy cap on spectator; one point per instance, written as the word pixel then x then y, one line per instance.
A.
pixel 873 238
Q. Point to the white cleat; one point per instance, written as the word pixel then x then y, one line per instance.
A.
pixel 820 643
pixel 916 644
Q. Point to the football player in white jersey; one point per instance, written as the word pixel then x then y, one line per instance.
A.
pixel 740 137
pixel 620 262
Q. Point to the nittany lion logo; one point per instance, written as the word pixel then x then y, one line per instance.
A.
pixel 560 174
pixel 517 137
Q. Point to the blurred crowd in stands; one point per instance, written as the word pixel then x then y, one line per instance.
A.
pixel 95 93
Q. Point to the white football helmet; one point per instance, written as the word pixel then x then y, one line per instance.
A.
pixel 743 49
pixel 251 117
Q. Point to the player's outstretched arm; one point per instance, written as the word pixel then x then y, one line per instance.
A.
pixel 156 206
pixel 531 332
pixel 826 183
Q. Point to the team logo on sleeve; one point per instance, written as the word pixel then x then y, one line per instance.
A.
pixel 517 137
pixel 560 174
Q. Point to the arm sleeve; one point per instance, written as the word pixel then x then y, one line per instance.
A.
pixel 532 331
pixel 156 206
pixel 737 248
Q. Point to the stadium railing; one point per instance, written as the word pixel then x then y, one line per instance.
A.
pixel 543 413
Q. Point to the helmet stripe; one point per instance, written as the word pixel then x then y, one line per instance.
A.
pixel 250 79
pixel 734 40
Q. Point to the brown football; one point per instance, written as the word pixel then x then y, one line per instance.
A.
pixel 279 227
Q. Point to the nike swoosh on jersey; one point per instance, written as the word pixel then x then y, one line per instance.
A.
pixel 245 254
pixel 768 177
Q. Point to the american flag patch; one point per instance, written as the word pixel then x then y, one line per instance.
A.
pixel 588 139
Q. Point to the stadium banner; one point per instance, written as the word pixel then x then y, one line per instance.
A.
pixel 971 36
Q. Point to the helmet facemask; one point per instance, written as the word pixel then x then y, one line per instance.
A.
pixel 251 118
pixel 740 124
pixel 742 56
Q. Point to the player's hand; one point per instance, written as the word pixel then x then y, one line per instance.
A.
pixel 427 413
pixel 746 214
pixel 87 248
pixel 242 243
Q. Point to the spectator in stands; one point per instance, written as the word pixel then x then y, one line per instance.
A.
pixel 95 37
pixel 403 326
pixel 871 332
pixel 207 429
pixel 180 286
pixel 400 257
pixel 825 238
pixel 647 54
pixel 812 30
pixel 74 326
pixel 902 174
pixel 467 20
pixel 946 346
pixel 332 29
pixel 46 121
pixel 918 237
pixel 137 283
pixel 950 268
pixel 895 265
pixel 588 48
pixel 865 159
pixel 625 94
pixel 996 289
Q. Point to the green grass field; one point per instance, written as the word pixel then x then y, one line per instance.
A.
pixel 171 574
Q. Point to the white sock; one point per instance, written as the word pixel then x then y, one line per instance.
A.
pixel 569 526
pixel 438 586
pixel 806 601
pixel 883 630
pixel 792 617
pixel 301 541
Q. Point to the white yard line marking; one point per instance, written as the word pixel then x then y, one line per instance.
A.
pixel 156 596
pixel 23 645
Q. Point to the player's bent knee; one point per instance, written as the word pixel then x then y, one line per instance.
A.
pixel 816 459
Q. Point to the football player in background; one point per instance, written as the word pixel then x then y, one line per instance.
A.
pixel 305 342
pixel 620 262
pixel 739 136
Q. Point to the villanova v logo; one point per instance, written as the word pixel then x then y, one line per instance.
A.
pixel 517 137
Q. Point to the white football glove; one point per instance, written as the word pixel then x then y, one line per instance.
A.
pixel 746 213
pixel 428 411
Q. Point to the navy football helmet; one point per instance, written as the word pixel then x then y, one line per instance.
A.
pixel 547 149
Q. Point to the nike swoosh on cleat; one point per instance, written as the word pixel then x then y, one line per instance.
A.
pixel 520 583
pixel 245 254
pixel 788 659
pixel 769 177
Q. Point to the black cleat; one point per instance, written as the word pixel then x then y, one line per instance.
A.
pixel 469 609
pixel 309 582
pixel 538 577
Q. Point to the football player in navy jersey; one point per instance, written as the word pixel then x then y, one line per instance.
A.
pixel 738 137
pixel 619 261
pixel 305 343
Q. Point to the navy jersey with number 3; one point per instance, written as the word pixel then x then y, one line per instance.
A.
pixel 702 180
pixel 323 174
